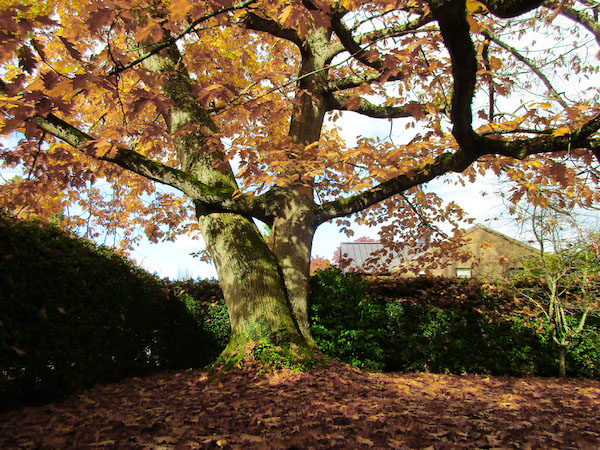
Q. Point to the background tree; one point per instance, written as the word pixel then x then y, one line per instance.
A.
pixel 318 263
pixel 114 97
pixel 568 266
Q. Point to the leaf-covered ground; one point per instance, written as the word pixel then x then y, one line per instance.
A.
pixel 339 407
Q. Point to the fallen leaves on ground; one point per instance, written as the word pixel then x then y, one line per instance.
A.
pixel 338 407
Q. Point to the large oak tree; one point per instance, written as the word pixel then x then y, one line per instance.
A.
pixel 140 94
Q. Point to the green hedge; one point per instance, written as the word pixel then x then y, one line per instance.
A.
pixel 73 315
pixel 439 325
pixel 204 301
pixel 345 323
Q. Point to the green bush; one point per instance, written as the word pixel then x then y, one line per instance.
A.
pixel 73 315
pixel 345 323
pixel 439 325
pixel 462 341
pixel 204 301
pixel 583 360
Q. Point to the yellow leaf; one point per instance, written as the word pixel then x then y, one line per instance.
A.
pixel 561 131
pixel 285 15
pixel 475 6
pixel 495 63
pixel 473 24
pixel 179 9
pixel 536 164
pixel 311 146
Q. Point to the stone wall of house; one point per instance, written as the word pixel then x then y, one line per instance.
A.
pixel 494 256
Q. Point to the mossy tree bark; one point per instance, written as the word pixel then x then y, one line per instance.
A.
pixel 251 281
pixel 293 235
pixel 562 361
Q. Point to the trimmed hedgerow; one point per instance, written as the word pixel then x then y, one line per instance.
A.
pixel 74 314
pixel 344 322
pixel 439 325
pixel 204 301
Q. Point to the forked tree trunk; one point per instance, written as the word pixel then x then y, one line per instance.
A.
pixel 252 284
pixel 266 293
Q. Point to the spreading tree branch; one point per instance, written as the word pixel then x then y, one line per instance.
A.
pixel 490 80
pixel 217 198
pixel 451 16
pixel 424 220
pixel 454 27
pixel 447 162
pixel 366 108
pixel 511 8
pixel 579 17
pixel 371 76
pixel 522 148
pixel 354 48
pixel 352 81
pixel 459 161
pixel 375 36
pixel 255 22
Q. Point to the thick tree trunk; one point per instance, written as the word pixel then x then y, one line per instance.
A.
pixel 295 222
pixel 293 235
pixel 251 279
pixel 252 284
pixel 266 292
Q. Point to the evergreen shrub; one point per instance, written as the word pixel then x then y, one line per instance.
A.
pixel 345 323
pixel 439 325
pixel 204 301
pixel 73 314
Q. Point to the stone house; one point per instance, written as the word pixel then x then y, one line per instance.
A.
pixel 492 255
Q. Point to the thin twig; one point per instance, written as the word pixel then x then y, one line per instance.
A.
pixel 172 40
pixel 488 35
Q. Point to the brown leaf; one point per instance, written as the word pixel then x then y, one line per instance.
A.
pixel 99 18
pixel 27 60
pixel 364 441
pixel 251 438
pixel 75 54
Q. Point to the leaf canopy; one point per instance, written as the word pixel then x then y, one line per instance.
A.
pixel 106 98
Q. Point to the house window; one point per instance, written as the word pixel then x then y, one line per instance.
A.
pixel 463 273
